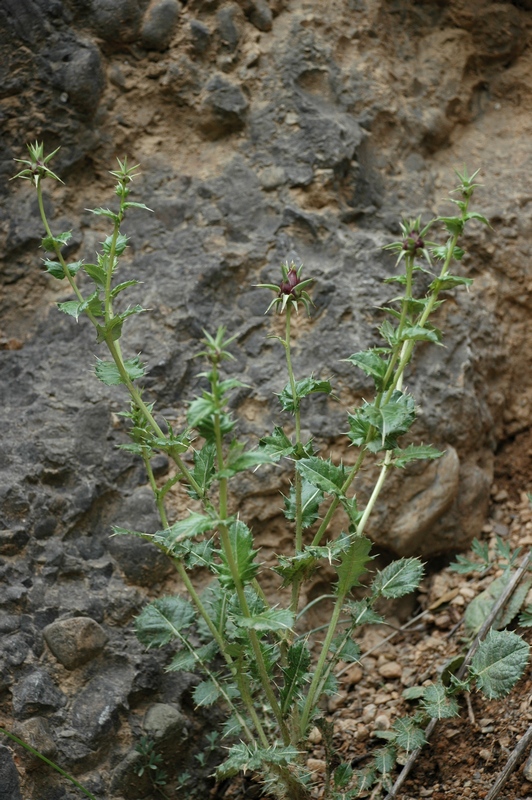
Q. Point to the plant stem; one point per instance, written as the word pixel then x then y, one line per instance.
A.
pixel 233 567
pixel 50 763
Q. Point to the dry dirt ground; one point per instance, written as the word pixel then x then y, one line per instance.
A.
pixel 466 754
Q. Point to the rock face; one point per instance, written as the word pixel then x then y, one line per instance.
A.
pixel 266 131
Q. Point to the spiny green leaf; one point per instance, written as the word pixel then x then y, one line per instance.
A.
pixel 352 565
pixel 455 225
pixel 480 607
pixel 402 457
pixel 311 497
pixel 204 461
pixel 384 760
pixel 163 620
pixel 303 388
pixel 206 693
pixel 323 474
pixel 125 285
pixel 241 541
pixel 188 661
pixel 97 273
pixel 272 619
pixel 194 525
pixel 437 703
pixel 449 282
pixel 108 372
pixel 345 649
pixel 391 420
pixel 417 333
pixel 362 613
pixel 55 268
pixel 398 578
pixel 240 460
pixel 499 663
pixel 372 363
pixel 277 445
pixel 104 212
pixel 120 244
pixel 408 735
pixel 50 243
pixel 295 674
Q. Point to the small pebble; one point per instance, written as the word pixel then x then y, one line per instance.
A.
pixel 382 722
pixel 391 670
pixel 315 736
pixel 316 765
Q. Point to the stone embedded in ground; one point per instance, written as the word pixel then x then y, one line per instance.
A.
pixel 36 732
pixel 9 782
pixel 96 708
pixel 159 24
pixel 224 108
pixel 36 694
pixel 75 641
pixel 126 780
pixel 166 726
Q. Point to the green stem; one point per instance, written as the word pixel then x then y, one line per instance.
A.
pixel 297 477
pixel 316 680
pixel 233 567
pixel 50 763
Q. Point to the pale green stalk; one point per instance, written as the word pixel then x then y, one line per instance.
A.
pixel 48 761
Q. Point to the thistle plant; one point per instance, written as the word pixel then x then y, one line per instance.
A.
pixel 256 656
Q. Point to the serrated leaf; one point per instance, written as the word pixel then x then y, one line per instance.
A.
pixel 70 307
pixel 359 427
pixel 352 565
pixel 417 333
pixel 240 460
pixel 194 525
pixel 272 619
pixel 449 282
pixel 104 212
pixel 365 778
pixel 311 497
pixel 241 541
pixel 117 531
pixel 124 285
pixel 60 239
pixel 243 757
pixel 277 445
pixel 362 613
pixel 163 620
pixel 206 693
pixel 97 273
pixel 371 362
pixel 477 216
pixel 303 388
pixel 402 457
pixel 120 244
pixel 408 735
pixel 342 775
pixel 384 760
pixel 323 474
pixel 187 661
pixel 108 372
pixel 499 663
pixel 130 204
pixel 525 618
pixel 480 607
pixel 393 419
pixel 204 461
pixel 295 674
pixel 455 225
pixel 440 252
pixel 345 649
pixel 413 692
pixel 200 409
pixel 398 578
pixel 55 268
pixel 231 727
pixel 437 703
